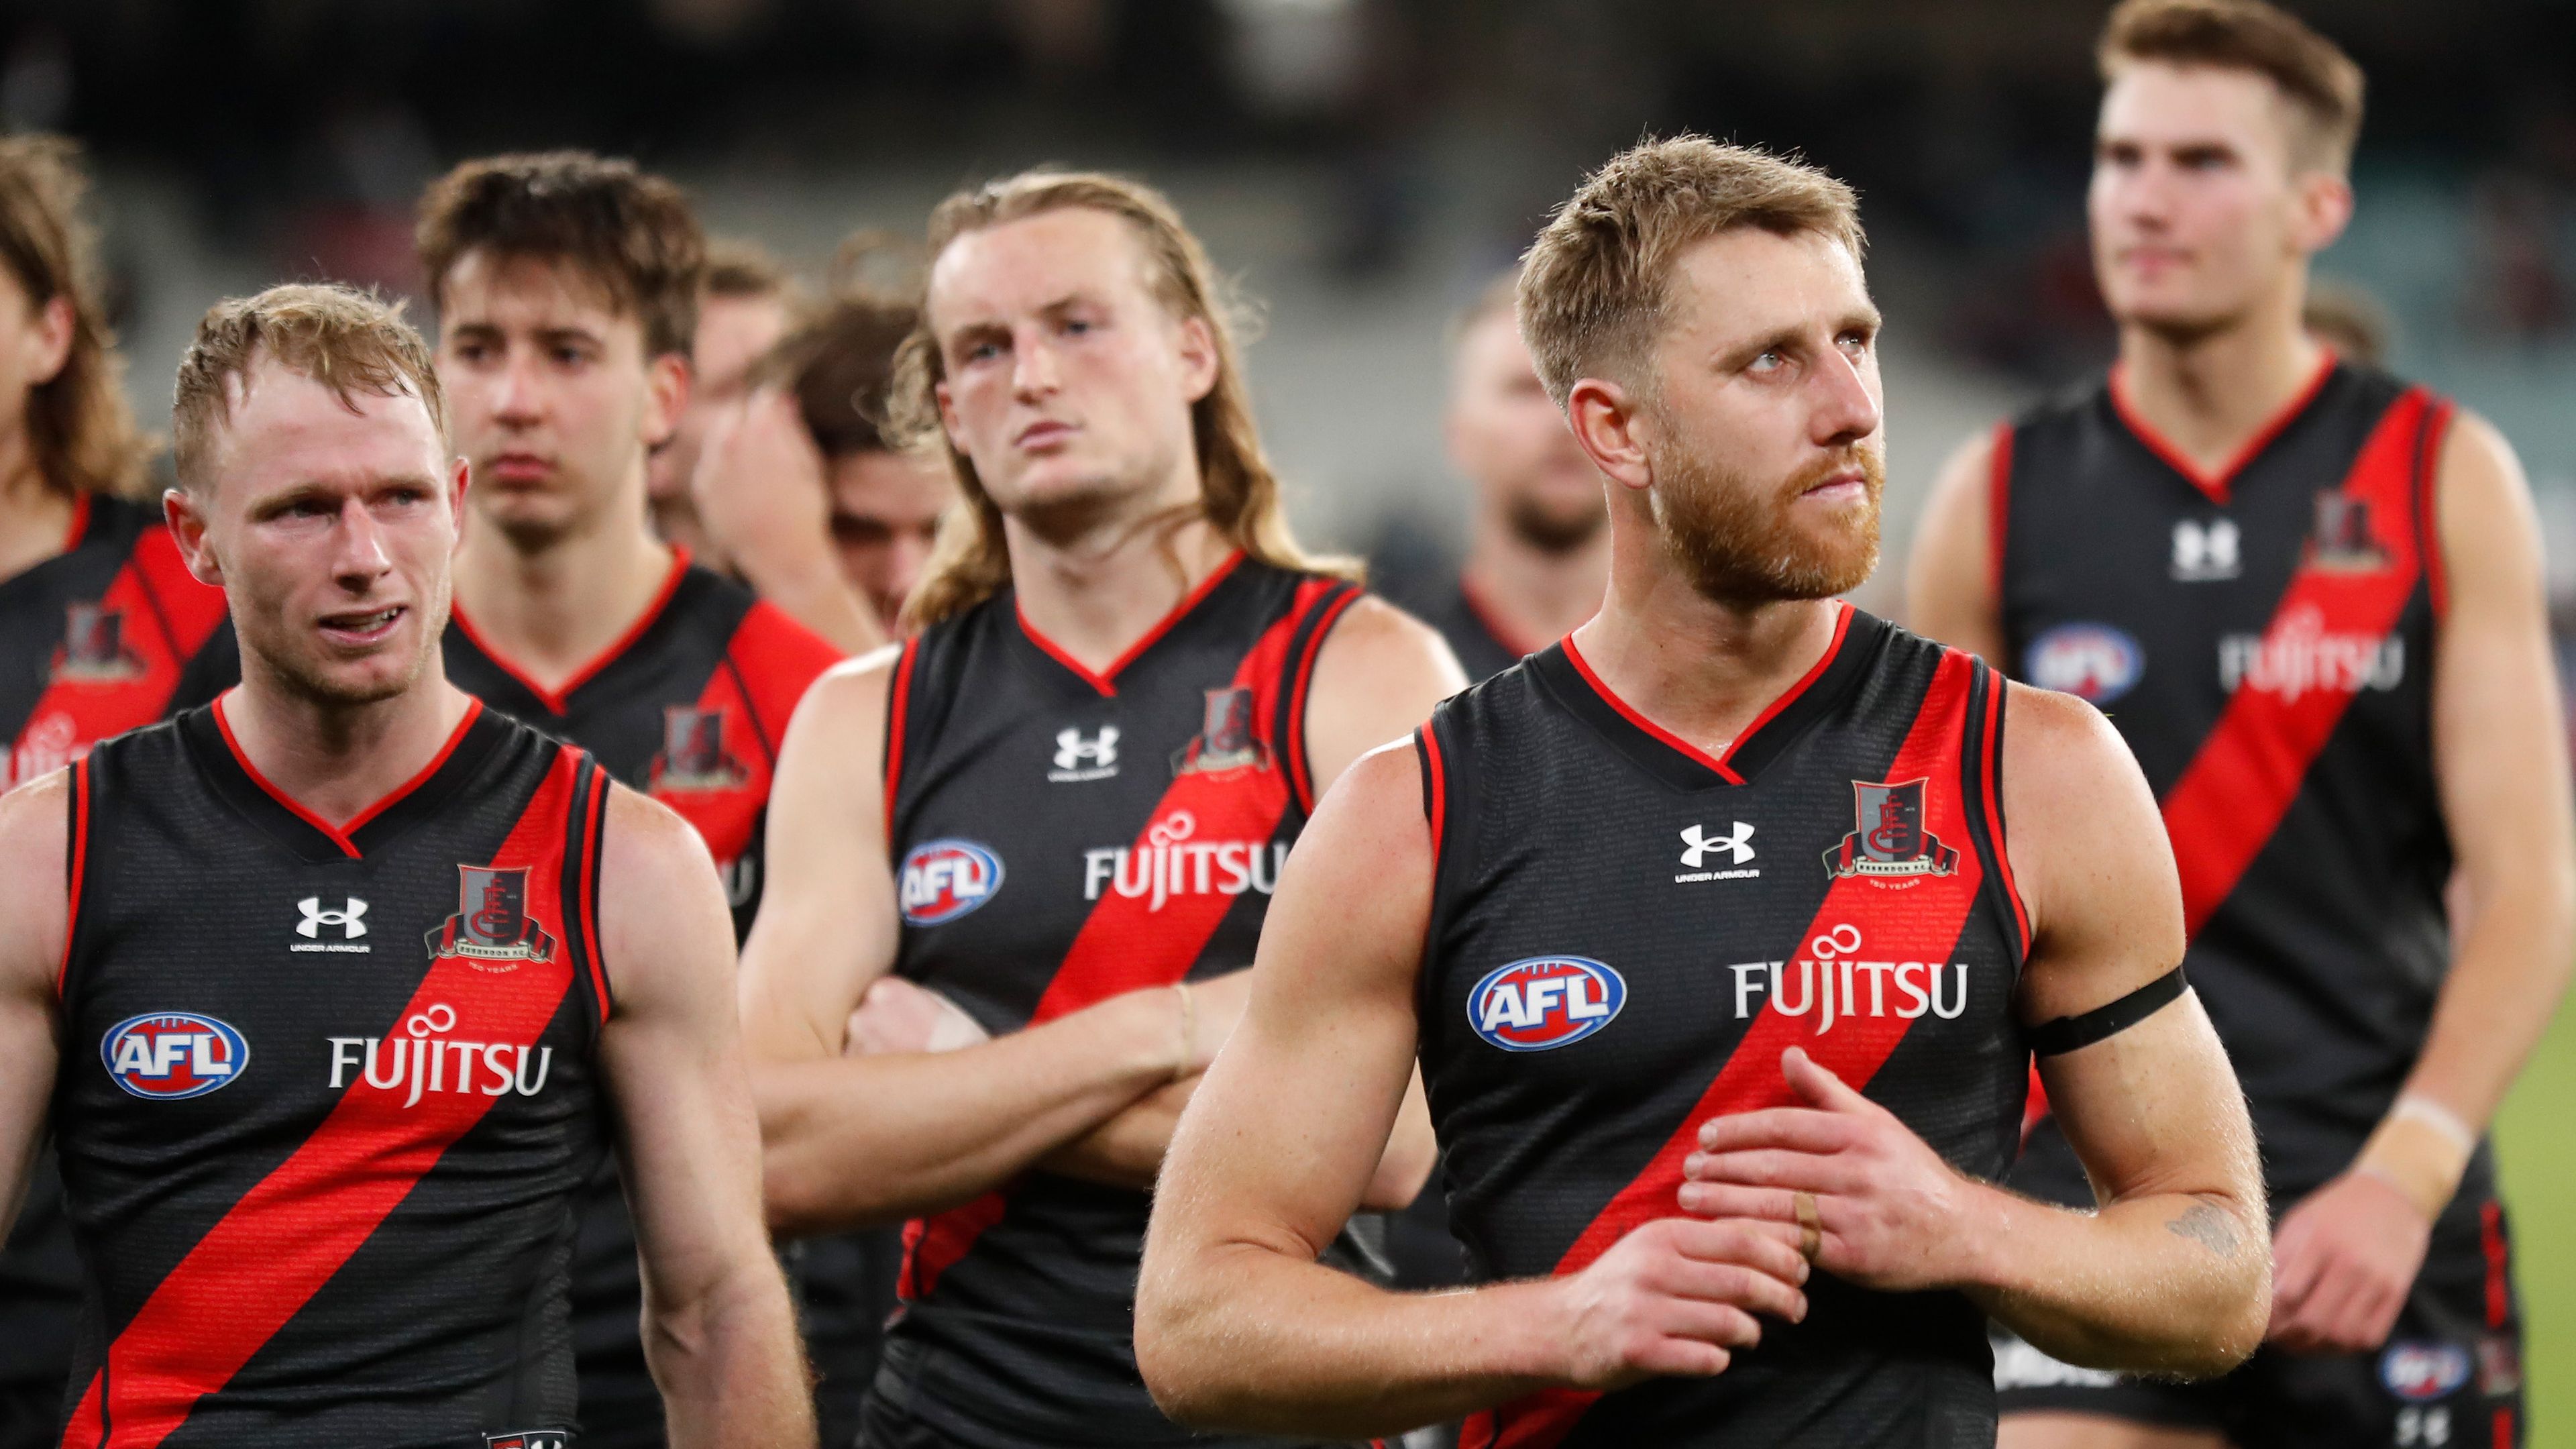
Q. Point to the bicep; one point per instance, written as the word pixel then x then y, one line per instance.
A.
pixel 826 926
pixel 2155 1108
pixel 1950 575
pixel 34 830
pixel 1330 1027
pixel 2498 731
pixel 1377 675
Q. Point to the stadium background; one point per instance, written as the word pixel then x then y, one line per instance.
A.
pixel 1361 166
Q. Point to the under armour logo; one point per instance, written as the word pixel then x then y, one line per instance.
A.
pixel 350 918
pixel 1700 845
pixel 1073 752
pixel 2204 551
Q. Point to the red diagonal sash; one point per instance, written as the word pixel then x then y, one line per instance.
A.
pixel 1128 943
pixel 259 1265
pixel 2230 799
pixel 1921 923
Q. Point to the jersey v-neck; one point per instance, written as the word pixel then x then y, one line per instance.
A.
pixel 290 822
pixel 1679 763
pixel 1105 682
pixel 558 700
pixel 2216 485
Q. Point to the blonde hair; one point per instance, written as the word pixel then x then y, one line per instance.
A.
pixel 347 340
pixel 2321 83
pixel 81 426
pixel 1595 285
pixel 1239 494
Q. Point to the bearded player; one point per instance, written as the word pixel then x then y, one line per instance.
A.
pixel 353 979
pixel 2309 595
pixel 1720 964
pixel 1062 807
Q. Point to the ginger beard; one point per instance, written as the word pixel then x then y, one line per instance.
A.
pixel 1743 543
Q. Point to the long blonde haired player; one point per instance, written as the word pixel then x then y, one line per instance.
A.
pixel 1128 686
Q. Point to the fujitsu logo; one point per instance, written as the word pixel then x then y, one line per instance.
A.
pixel 1171 864
pixel 1834 985
pixel 2299 656
pixel 425 1059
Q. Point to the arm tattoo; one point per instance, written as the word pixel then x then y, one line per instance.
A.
pixel 2207 1226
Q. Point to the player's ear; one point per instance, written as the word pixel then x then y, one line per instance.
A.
pixel 181 510
pixel 666 395
pixel 459 477
pixel 1606 421
pixel 2324 210
pixel 1198 357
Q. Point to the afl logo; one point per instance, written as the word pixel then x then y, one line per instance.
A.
pixel 1545 1001
pixel 2094 662
pixel 945 879
pixel 2420 1370
pixel 173 1054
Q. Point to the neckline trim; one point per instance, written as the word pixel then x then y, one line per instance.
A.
pixel 1731 765
pixel 1515 643
pixel 2216 486
pixel 345 836
pixel 558 700
pixel 1105 681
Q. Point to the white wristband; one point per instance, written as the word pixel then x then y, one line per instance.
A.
pixel 2438 1117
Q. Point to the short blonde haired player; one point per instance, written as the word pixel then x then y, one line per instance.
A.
pixel 315 1244
pixel 2310 596
pixel 1059 807
pixel 1704 1216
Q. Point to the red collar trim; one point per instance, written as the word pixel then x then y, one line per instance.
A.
pixel 2216 484
pixel 558 700
pixel 341 835
pixel 1719 762
pixel 1105 680
pixel 1514 641
pixel 80 522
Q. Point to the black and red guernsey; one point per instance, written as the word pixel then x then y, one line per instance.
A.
pixel 1062 836
pixel 689 708
pixel 2262 637
pixel 1468 623
pixel 328 1096
pixel 1627 932
pixel 104 637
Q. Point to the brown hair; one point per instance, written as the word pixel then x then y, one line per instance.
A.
pixel 1594 286
pixel 738 268
pixel 2320 82
pixel 839 366
pixel 1239 495
pixel 631 232
pixel 347 340
pixel 79 422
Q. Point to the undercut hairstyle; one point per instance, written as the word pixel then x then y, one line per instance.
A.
pixel 743 270
pixel 2320 84
pixel 349 341
pixel 633 234
pixel 1596 286
pixel 1239 494
pixel 80 425
pixel 839 366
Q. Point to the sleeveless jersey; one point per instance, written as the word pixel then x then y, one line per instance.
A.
pixel 327 1097
pixel 2263 639
pixel 689 708
pixel 1063 836
pixel 1627 932
pixel 104 637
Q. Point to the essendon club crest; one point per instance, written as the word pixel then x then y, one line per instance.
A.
pixel 2342 542
pixel 693 754
pixel 94 649
pixel 492 921
pixel 1889 839
pixel 1225 740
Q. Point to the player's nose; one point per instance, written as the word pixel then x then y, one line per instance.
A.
pixel 358 555
pixel 1034 366
pixel 1847 406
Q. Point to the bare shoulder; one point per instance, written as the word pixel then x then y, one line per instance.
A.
pixel 662 906
pixel 855 689
pixel 35 843
pixel 2484 497
pixel 1374 634
pixel 2055 741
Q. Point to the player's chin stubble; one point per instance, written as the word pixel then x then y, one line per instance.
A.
pixel 1740 543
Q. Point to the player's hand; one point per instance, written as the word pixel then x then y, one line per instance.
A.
pixel 2342 1262
pixel 897 1016
pixel 760 488
pixel 1676 1296
pixel 1892 1214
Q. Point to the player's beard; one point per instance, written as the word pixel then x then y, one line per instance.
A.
pixel 1554 529
pixel 1740 543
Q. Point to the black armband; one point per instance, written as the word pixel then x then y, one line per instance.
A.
pixel 2067 1033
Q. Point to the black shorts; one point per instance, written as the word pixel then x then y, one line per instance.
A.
pixel 2450 1373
